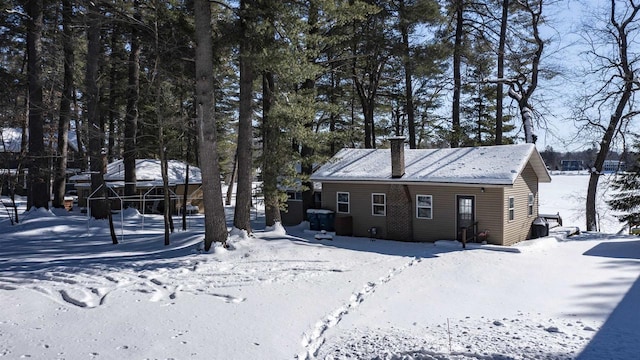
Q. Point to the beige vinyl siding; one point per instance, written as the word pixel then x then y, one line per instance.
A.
pixel 360 205
pixel 442 226
pixel 519 228
pixel 489 214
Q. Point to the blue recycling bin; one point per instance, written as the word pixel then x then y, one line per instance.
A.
pixel 314 221
pixel 321 219
pixel 327 220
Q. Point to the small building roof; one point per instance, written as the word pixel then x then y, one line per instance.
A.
pixel 11 140
pixel 148 171
pixel 485 165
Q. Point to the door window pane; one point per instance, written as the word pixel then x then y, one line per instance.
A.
pixel 465 208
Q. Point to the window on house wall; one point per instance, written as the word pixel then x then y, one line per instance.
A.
pixel 424 206
pixel 294 195
pixel 512 208
pixel 342 202
pixel 530 204
pixel 379 204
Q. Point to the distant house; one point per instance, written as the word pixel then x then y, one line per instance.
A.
pixel 613 166
pixel 433 194
pixel 571 165
pixel 149 185
pixel 11 148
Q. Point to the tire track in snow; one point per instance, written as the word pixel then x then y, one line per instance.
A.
pixel 311 341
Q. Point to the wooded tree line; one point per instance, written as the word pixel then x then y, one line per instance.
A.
pixel 291 82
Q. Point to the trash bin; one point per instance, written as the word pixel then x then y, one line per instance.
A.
pixel 539 228
pixel 327 220
pixel 314 221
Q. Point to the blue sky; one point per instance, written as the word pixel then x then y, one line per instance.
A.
pixel 566 51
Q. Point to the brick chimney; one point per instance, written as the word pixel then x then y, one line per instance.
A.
pixel 397 156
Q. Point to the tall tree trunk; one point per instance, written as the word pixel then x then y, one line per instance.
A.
pixel 517 90
pixel 80 135
pixel 185 195
pixel 500 85
pixel 627 91
pixel 408 79
pixel 116 55
pixel 232 180
pixel 215 221
pixel 167 208
pixel 270 138
pixel 242 213
pixel 367 96
pixel 308 89
pixel 457 77
pixel 333 117
pixel 59 184
pixel 38 164
pixel 131 117
pixel 100 209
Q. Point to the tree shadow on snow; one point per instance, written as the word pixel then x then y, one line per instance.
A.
pixel 618 338
pixel 616 249
pixel 385 247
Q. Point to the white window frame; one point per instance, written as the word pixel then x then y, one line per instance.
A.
pixel 375 205
pixel 530 202
pixel 511 208
pixel 338 202
pixel 430 207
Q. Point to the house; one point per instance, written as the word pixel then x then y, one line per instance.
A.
pixel 433 194
pixel 11 153
pixel 149 185
pixel 571 165
pixel 614 166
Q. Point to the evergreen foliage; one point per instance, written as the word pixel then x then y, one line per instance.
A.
pixel 346 73
pixel 626 192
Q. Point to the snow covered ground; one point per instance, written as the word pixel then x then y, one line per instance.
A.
pixel 67 293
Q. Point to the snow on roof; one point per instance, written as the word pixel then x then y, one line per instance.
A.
pixel 148 171
pixel 11 140
pixel 490 165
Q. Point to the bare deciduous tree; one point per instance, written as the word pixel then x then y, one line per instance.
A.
pixel 611 106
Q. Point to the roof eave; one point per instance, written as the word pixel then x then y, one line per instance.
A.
pixel 496 183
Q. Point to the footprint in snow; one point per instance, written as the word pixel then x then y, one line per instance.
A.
pixel 229 298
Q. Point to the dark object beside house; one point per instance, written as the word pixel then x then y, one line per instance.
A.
pixel 553 219
pixel 321 219
pixel 344 225
pixel 539 228
pixel 294 213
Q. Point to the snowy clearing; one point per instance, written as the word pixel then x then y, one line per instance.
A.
pixel 68 293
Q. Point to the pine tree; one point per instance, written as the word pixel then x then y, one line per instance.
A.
pixel 215 224
pixel 626 195
pixel 38 176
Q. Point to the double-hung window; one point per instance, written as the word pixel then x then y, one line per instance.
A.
pixel 424 206
pixel 530 204
pixel 512 208
pixel 378 204
pixel 342 202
